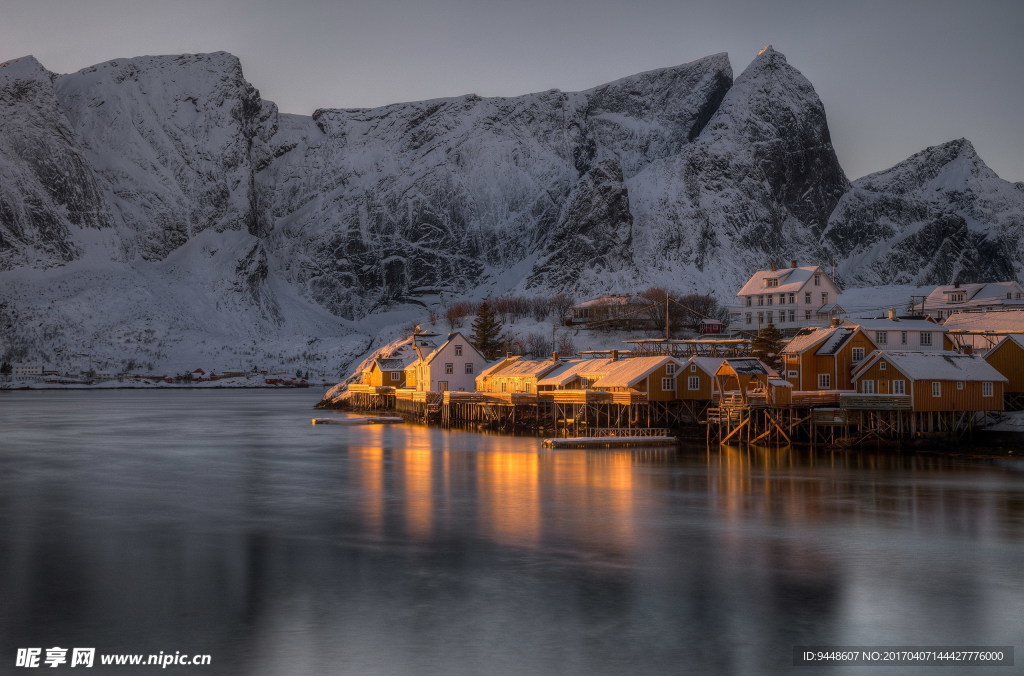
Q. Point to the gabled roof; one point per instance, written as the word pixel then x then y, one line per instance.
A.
pixel 577 368
pixel 806 339
pixel 936 365
pixel 749 367
pixel 835 342
pixel 1012 338
pixel 516 367
pixel 1006 320
pixel 708 365
pixel 790 280
pixel 628 372
pixel 451 337
pixel 499 366
pixel 897 324
pixel 395 363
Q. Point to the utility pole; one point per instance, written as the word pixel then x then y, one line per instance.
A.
pixel 666 320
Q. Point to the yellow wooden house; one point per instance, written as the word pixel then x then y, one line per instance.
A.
pixel 697 380
pixel 824 358
pixel 933 381
pixel 654 377
pixel 1007 357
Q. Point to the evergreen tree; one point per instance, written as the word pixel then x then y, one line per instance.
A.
pixel 767 346
pixel 486 335
pixel 5 369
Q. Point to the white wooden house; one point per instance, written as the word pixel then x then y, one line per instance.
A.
pixel 789 298
pixel 451 366
pixel 953 298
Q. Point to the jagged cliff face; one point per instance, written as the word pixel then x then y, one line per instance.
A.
pixel 172 172
pixel 940 216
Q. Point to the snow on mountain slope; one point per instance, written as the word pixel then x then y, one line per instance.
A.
pixel 940 216
pixel 156 210
pixel 177 140
pixel 47 187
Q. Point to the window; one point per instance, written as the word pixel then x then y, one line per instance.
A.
pixel 881 337
pixel 792 374
pixel 807 314
pixel 936 388
pixel 770 317
pixel 749 317
pixel 956 297
pixel 824 381
pixel 792 299
pixel 395 375
pixel 926 338
pixel 817 280
pixel 760 300
pixel 760 317
pixel 986 389
pixel 469 368
pixel 693 383
pixel 772 282
pixel 584 383
pixel 899 387
pixel 1008 295
pixel 670 369
pixel 504 386
pixel 882 366
pixel 824 298
pixel 867 386
pixel 750 301
pixel 668 384
pixel 693 368
pixel 782 299
pixel 449 368
pixel 858 354
pixel 903 337
pixel 458 350
pixel 959 384
pixel 792 315
pixel 770 298
pixel 807 298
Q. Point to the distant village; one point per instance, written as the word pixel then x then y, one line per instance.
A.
pixel 785 363
pixel 23 375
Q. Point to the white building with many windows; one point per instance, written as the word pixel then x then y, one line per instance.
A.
pixel 790 298
pixel 452 366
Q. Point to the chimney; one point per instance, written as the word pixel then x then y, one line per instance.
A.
pixel 792 263
pixel 615 355
pixel 836 321
pixel 554 356
pixel 891 312
pixel 774 267
pixel 956 285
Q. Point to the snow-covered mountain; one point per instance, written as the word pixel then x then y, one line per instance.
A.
pixel 157 210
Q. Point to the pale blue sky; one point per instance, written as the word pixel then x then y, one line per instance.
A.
pixel 895 76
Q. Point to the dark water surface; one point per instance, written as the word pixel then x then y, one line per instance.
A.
pixel 222 522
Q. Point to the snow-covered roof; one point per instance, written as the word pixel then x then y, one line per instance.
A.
pixel 708 365
pixel 395 363
pixel 790 280
pixel 830 308
pixel 990 290
pixel 579 368
pixel 807 338
pixel 896 324
pixel 836 340
pixel 934 366
pixel 615 299
pixel 627 372
pixel 1006 320
pixel 524 368
pixel 749 367
pixel 779 382
pixel 451 336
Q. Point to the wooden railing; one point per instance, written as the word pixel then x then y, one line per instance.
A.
pixel 876 402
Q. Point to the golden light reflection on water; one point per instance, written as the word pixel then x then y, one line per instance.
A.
pixel 515 490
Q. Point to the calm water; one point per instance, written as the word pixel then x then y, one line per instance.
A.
pixel 222 522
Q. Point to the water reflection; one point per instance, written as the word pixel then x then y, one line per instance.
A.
pixel 281 547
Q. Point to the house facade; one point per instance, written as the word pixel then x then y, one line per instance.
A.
pixel 452 366
pixel 1007 357
pixel 933 381
pixel 789 298
pixel 697 380
pixel 948 300
pixel 654 376
pixel 896 333
pixel 824 358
